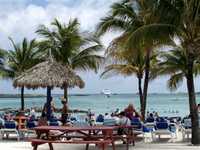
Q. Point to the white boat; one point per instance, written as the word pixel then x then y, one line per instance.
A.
pixel 106 92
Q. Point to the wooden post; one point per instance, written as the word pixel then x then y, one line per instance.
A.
pixel 48 103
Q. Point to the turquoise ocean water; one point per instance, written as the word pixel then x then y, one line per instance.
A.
pixel 164 104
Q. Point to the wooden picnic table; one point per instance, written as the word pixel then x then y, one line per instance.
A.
pixel 99 135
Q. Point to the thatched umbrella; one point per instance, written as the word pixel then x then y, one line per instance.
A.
pixel 48 74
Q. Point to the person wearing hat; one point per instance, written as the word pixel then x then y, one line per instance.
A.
pixel 64 111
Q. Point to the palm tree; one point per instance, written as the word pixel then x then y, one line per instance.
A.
pixel 70 46
pixel 187 27
pixel 23 56
pixel 166 19
pixel 174 63
pixel 128 64
pixel 139 23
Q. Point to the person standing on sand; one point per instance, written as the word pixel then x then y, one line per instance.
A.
pixel 64 111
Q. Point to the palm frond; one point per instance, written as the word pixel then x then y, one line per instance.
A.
pixel 24 56
pixel 111 23
pixel 153 34
pixel 119 69
pixel 175 81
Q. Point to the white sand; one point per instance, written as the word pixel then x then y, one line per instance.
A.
pixel 165 143
pixel 11 145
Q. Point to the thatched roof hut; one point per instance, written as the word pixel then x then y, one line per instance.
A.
pixel 48 74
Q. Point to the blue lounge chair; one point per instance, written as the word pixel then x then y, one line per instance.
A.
pixel 10 127
pixel 150 123
pixel 162 128
pixel 137 127
pixel 53 121
pixel 100 118
pixel 24 133
pixel 137 124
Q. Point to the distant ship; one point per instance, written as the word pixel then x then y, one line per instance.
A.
pixel 106 92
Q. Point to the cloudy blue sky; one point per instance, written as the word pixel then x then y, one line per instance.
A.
pixel 20 18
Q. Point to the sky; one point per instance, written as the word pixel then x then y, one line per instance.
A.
pixel 20 18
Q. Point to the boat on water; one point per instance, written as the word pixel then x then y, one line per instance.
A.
pixel 106 92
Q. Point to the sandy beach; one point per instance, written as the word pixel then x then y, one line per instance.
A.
pixel 165 142
pixel 139 146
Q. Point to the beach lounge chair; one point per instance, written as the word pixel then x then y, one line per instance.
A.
pixel 138 127
pixel 81 121
pixel 150 123
pixel 54 122
pixel 109 122
pixel 99 120
pixel 162 128
pixel 10 127
pixel 186 128
pixel 25 133
pixel 140 130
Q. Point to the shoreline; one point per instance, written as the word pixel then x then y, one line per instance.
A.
pixel 39 110
pixel 86 94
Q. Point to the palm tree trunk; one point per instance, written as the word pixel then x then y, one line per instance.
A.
pixel 140 92
pixel 146 84
pixel 22 98
pixel 66 93
pixel 192 102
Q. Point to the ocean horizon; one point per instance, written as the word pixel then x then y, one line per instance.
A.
pixel 10 95
pixel 166 104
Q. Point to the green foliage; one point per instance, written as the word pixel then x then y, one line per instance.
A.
pixel 23 56
pixel 174 63
pixel 123 62
pixel 70 46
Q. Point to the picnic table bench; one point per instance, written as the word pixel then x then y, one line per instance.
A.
pixel 101 136
pixel 101 143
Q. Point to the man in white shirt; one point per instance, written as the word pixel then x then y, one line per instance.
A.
pixel 123 120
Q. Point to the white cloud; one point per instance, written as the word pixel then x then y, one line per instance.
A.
pixel 20 18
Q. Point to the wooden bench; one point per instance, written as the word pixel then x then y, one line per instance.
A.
pixel 101 143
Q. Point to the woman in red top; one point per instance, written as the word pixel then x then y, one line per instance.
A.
pixel 131 112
